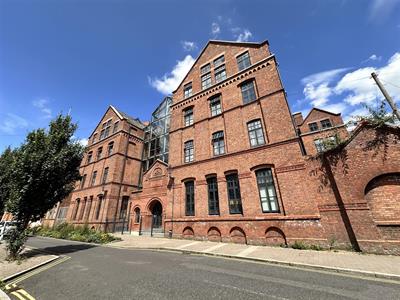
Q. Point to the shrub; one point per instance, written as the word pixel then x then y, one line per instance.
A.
pixel 299 245
pixel 15 243
pixel 77 233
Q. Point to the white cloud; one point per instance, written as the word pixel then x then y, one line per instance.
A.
pixel 361 89
pixel 43 106
pixel 381 9
pixel 11 123
pixel 83 142
pixel 317 89
pixel 170 81
pixel 188 46
pixel 243 35
pixel 347 92
pixel 373 57
pixel 215 29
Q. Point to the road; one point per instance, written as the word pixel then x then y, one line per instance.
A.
pixel 95 272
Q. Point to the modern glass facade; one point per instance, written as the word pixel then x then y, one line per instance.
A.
pixel 156 138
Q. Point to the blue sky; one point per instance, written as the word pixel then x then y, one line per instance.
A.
pixel 81 56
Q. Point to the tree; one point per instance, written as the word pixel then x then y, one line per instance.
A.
pixel 41 174
pixel 6 160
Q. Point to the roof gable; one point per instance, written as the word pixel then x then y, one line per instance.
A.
pixel 218 42
pixel 320 110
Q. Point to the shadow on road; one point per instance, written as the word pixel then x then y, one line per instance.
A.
pixel 63 249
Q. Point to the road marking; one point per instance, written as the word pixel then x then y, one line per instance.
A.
pixel 16 294
pixel 213 248
pixel 41 269
pixel 187 245
pixel 25 294
pixel 247 251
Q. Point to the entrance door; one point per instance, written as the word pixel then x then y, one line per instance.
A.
pixel 157 214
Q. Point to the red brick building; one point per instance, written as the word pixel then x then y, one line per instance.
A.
pixel 231 163
pixel 110 173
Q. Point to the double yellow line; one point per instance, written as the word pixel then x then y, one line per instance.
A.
pixel 13 289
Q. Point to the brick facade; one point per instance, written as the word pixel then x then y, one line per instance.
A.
pixel 242 168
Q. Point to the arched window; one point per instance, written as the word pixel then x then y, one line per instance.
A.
pixel 110 148
pixel 266 187
pixel 137 215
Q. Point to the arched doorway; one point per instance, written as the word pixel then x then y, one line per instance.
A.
pixel 156 211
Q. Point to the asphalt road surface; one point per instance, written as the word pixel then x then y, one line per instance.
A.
pixel 108 273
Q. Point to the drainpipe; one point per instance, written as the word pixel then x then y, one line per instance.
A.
pixel 122 176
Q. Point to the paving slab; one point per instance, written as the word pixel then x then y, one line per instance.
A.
pixel 385 266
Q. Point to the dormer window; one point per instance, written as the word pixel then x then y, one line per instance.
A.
pixel 187 90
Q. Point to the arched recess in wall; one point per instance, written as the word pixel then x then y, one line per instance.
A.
pixel 238 235
pixel 214 234
pixel 275 237
pixel 382 194
pixel 188 233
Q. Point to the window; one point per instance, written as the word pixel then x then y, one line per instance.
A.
pixel 266 188
pixel 83 208
pixel 256 134
pixel 220 73
pixel 105 175
pixel 322 144
pixel 76 208
pixel 187 90
pixel 105 129
pixel 213 201
pixel 189 198
pixel 89 208
pixel 98 208
pixel 234 199
pixel 215 105
pixel 93 178
pixel 124 207
pixel 115 127
pixel 83 180
pixel 243 61
pixel 326 124
pixel 218 143
pixel 189 151
pixel 137 215
pixel 205 81
pixel 313 126
pixel 99 153
pixel 219 60
pixel 94 138
pixel 188 116
pixel 248 92
pixel 205 69
pixel 89 157
pixel 110 148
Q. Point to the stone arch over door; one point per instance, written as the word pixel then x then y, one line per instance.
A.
pixel 275 236
pixel 156 210
pixel 382 194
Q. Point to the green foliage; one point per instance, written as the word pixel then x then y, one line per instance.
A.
pixel 40 173
pixel 76 233
pixel 15 243
pixel 6 160
pixel 378 117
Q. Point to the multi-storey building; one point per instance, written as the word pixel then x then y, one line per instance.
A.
pixel 225 160
pixel 110 172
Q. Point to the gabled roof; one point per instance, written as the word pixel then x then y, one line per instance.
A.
pixel 123 116
pixel 154 163
pixel 219 42
pixel 319 109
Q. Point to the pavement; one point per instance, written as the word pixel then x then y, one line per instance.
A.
pixel 380 266
pixel 127 272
